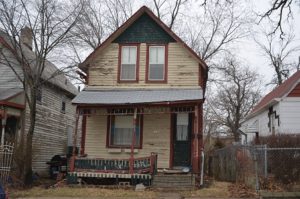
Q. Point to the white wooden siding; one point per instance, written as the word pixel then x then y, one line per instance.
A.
pixel 51 130
pixel 156 138
pixel 183 69
pixel 8 78
pixel 290 115
pixel 262 119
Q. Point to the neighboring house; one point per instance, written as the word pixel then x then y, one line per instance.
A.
pixel 55 116
pixel 277 113
pixel 145 90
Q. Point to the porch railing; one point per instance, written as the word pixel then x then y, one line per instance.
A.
pixel 143 165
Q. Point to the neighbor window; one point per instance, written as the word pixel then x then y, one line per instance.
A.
pixel 39 95
pixel 63 106
pixel 156 65
pixel 121 131
pixel 128 67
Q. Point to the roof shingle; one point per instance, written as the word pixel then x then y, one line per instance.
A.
pixel 138 96
pixel 278 92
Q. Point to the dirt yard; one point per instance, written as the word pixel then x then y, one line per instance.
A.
pixel 215 190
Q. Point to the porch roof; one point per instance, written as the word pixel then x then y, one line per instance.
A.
pixel 7 93
pixel 137 96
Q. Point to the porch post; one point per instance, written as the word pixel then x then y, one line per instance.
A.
pixel 3 122
pixel 72 163
pixel 200 134
pixel 131 160
pixel 195 160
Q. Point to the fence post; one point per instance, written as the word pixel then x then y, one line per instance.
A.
pixel 256 169
pixel 266 160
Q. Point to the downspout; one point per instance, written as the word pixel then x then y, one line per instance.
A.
pixel 202 168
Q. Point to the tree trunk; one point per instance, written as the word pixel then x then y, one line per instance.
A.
pixel 27 175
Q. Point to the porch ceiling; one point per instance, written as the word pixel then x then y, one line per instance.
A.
pixel 137 96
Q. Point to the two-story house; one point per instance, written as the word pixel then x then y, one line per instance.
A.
pixel 144 95
pixel 55 115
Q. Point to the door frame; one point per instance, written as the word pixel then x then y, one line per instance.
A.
pixel 172 134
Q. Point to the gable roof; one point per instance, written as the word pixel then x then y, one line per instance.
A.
pixel 279 92
pixel 51 72
pixel 143 10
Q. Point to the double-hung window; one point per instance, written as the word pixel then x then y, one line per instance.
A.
pixel 157 63
pixel 128 63
pixel 121 131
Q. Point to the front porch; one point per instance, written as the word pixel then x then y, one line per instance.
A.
pixel 123 140
pixel 139 170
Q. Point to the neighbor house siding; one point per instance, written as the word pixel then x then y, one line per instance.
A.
pixel 50 135
pixel 156 138
pixel 8 78
pixel 263 120
pixel 290 115
pixel 183 69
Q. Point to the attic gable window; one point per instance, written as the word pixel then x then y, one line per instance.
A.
pixel 157 63
pixel 128 63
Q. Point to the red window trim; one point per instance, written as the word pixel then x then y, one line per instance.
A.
pixel 137 68
pixel 165 80
pixel 111 118
pixel 83 137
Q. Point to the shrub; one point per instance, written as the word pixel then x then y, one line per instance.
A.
pixel 284 164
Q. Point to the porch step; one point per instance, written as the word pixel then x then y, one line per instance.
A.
pixel 173 181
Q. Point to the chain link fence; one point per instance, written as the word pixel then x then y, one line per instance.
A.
pixel 258 166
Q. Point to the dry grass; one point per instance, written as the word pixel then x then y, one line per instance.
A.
pixel 80 192
pixel 216 190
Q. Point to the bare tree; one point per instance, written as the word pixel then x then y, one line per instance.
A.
pixel 221 24
pixel 280 54
pixel 168 9
pixel 282 9
pixel 98 20
pixel 117 12
pixel 237 94
pixel 49 23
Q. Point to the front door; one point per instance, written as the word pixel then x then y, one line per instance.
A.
pixel 182 128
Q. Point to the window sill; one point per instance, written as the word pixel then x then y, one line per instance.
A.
pixel 129 150
pixel 117 150
pixel 128 81
pixel 156 81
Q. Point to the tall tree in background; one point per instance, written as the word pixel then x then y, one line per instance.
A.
pixel 214 30
pixel 49 22
pixel 238 91
pixel 98 20
pixel 281 54
pixel 279 12
pixel 168 11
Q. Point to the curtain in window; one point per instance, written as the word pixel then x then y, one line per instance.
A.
pixel 128 65
pixel 182 127
pixel 122 129
pixel 156 62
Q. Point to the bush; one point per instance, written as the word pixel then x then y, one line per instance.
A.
pixel 284 164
